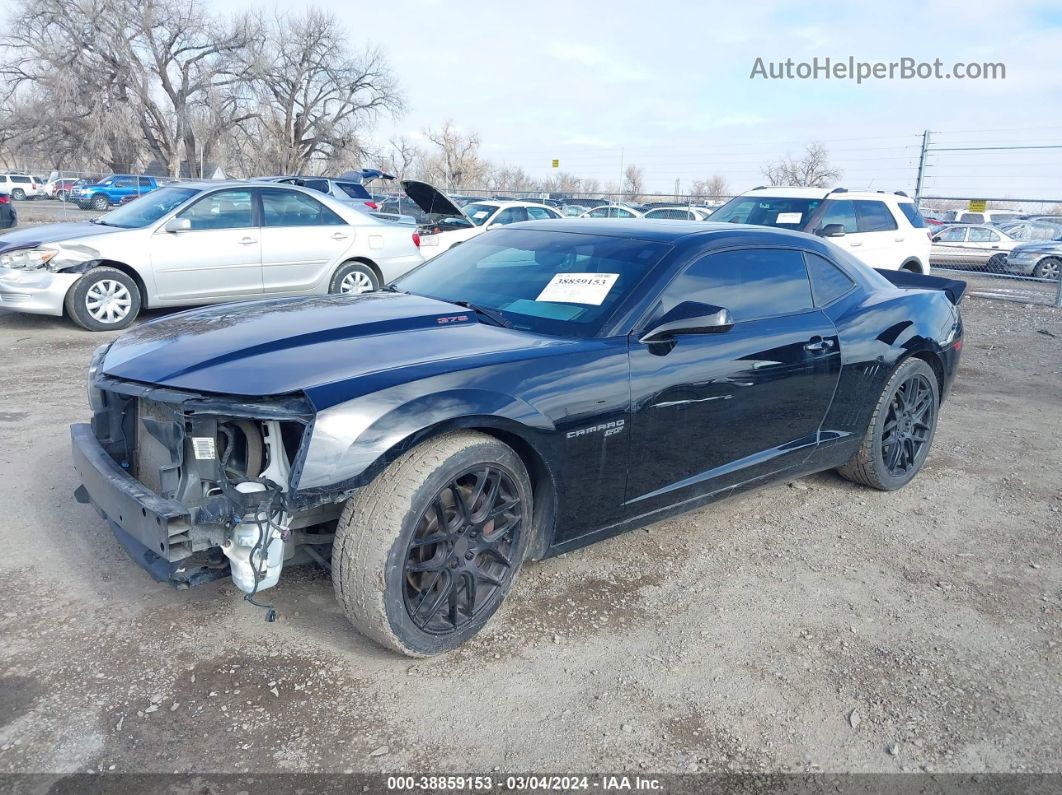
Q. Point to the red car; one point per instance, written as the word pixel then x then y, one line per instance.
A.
pixel 60 188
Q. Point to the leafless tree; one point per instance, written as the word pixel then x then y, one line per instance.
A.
pixel 633 181
pixel 716 185
pixel 155 63
pixel 813 170
pixel 400 158
pixel 316 95
pixel 455 159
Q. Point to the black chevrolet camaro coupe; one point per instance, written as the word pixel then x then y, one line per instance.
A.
pixel 535 389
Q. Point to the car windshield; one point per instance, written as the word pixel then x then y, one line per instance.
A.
pixel 780 211
pixel 555 283
pixel 479 213
pixel 148 208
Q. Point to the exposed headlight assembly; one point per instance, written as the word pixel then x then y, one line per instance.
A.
pixel 30 259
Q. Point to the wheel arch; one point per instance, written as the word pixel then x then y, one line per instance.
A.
pixel 933 359
pixel 363 261
pixel 913 264
pixel 128 270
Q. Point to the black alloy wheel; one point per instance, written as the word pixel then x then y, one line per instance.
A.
pixel 461 556
pixel 908 427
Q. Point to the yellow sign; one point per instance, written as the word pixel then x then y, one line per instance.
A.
pixel 556 164
pixel 977 205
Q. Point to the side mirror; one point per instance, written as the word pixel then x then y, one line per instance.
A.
pixel 690 317
pixel 832 230
pixel 177 225
pixel 935 239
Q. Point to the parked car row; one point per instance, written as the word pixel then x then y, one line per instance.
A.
pixel 1025 248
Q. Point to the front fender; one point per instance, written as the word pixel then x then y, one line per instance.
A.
pixel 352 441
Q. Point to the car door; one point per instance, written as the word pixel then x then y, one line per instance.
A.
pixel 880 236
pixel 949 247
pixel 303 242
pixel 122 187
pixel 710 411
pixel 982 243
pixel 219 257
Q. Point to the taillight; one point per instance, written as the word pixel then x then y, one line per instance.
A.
pixel 416 240
pixel 372 205
pixel 5 199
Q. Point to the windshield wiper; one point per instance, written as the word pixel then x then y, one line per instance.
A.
pixel 390 288
pixel 100 222
pixel 491 314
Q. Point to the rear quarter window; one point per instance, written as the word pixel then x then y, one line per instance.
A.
pixel 874 216
pixel 828 282
pixel 910 212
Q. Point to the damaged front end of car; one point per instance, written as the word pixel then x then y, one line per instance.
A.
pixel 197 486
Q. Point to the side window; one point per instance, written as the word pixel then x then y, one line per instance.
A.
pixel 353 190
pixel 600 212
pixel 319 185
pixel 291 208
pixel 955 234
pixel 828 282
pixel 539 213
pixel 751 283
pixel 619 212
pixel 144 182
pixel 226 209
pixel 912 214
pixel 840 212
pixel 125 182
pixel 979 235
pixel 510 215
pixel 874 217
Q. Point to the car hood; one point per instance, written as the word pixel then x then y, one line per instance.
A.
pixel 430 199
pixel 1035 248
pixel 330 347
pixel 31 236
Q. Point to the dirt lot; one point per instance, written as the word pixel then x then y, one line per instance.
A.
pixel 810 626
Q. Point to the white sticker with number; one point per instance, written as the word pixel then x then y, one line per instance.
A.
pixel 204 448
pixel 578 288
pixel 788 218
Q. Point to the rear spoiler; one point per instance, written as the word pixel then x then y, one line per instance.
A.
pixel 953 288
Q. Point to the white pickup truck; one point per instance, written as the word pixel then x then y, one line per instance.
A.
pixel 201 243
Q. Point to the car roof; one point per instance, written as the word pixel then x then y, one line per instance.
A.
pixel 670 231
pixel 822 193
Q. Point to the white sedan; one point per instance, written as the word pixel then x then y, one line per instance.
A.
pixel 451 225
pixel 612 211
pixel 200 243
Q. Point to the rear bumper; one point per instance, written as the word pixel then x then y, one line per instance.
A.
pixel 38 292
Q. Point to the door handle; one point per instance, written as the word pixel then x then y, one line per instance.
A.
pixel 897 240
pixel 818 345
pixel 854 244
pixel 247 241
pixel 339 236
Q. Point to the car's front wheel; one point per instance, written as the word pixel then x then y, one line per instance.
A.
pixel 901 430
pixel 104 299
pixel 1048 269
pixel 425 554
pixel 354 278
pixel 100 203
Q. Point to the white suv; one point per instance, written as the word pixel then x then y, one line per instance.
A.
pixel 21 186
pixel 884 230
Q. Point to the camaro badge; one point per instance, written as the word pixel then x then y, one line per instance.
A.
pixel 608 427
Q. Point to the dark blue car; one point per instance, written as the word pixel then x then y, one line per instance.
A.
pixel 533 390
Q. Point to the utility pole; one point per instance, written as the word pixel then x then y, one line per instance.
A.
pixel 676 191
pixel 621 172
pixel 921 167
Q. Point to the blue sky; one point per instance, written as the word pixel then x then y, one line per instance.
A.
pixel 666 85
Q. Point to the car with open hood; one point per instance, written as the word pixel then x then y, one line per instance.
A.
pixel 537 388
pixel 448 225
pixel 200 243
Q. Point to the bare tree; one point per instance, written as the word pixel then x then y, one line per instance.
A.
pixel 156 63
pixel 400 158
pixel 716 185
pixel 455 160
pixel 633 181
pixel 813 170
pixel 316 95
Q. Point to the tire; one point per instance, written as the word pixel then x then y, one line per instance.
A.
pixel 18 194
pixel 87 301
pixel 1048 268
pixel 911 267
pixel 995 263
pixel 374 544
pixel 869 466
pixel 354 278
pixel 60 195
pixel 100 203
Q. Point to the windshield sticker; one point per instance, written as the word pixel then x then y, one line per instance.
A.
pixel 578 288
pixel 788 218
pixel 480 214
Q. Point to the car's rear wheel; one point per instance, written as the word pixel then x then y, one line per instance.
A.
pixel 18 194
pixel 354 278
pixel 104 299
pixel 995 263
pixel 100 203
pixel 60 195
pixel 901 430
pixel 425 554
pixel 1048 268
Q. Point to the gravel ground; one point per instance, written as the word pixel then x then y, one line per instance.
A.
pixel 808 626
